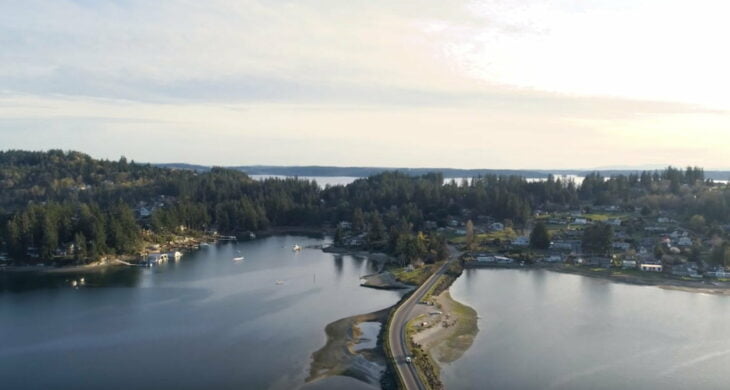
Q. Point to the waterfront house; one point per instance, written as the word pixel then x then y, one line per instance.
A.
pixel 651 267
pixel 686 269
pixel 497 227
pixel 488 259
pixel 597 261
pixel 629 263
pixel 504 260
pixel 553 259
pixel 345 225
pixel 156 258
pixel 717 272
pixel 356 241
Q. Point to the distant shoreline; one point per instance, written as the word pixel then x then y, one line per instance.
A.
pixel 448 173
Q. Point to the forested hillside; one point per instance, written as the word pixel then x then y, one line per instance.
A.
pixel 66 204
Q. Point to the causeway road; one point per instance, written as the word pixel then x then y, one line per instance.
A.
pixel 397 332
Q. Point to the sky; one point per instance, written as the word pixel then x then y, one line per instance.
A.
pixel 430 83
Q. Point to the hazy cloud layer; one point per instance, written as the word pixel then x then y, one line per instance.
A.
pixel 475 83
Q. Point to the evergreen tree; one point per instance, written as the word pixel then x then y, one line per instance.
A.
pixel 539 237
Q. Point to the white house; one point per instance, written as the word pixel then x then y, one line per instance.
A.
pixel 580 221
pixel 494 259
pixel 647 267
pixel 628 264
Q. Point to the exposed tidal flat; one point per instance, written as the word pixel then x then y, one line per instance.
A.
pixel 203 322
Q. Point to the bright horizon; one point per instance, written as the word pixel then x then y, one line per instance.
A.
pixel 499 84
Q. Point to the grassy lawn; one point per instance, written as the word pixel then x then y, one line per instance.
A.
pixel 417 276
pixel 506 234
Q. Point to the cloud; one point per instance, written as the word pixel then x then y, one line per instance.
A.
pixel 493 83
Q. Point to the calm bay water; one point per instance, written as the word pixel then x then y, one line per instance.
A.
pixel 204 322
pixel 544 330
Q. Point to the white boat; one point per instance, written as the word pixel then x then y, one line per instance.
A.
pixel 279 282
pixel 239 258
pixel 296 248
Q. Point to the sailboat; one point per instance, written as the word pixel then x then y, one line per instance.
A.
pixel 296 248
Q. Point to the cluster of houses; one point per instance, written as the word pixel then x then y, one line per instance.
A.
pixel 144 209
pixel 155 256
pixel 627 251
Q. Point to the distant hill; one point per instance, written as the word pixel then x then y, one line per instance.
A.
pixel 189 167
pixel 329 171
pixel 369 171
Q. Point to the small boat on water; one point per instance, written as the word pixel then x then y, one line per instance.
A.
pixel 279 282
pixel 296 248
pixel 239 257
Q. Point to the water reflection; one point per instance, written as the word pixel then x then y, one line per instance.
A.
pixel 205 322
pixel 551 330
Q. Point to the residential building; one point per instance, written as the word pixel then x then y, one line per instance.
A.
pixel 686 269
pixel 621 246
pixel 651 267
pixel 521 241
pixel 629 263
pixel 717 272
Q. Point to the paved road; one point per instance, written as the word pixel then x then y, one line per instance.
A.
pixel 397 331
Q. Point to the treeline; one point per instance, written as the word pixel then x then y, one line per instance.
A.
pixel 684 193
pixel 75 230
pixel 50 200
